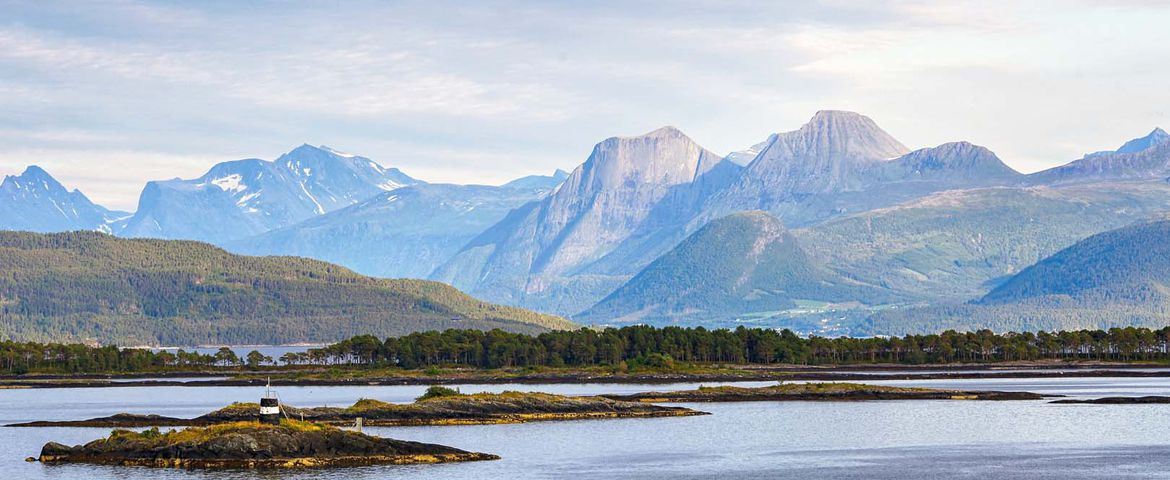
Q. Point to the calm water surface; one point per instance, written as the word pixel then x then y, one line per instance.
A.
pixel 905 440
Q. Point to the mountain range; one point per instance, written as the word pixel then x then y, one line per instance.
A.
pixel 835 224
pixel 836 164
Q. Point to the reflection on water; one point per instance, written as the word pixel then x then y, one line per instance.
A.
pixel 920 439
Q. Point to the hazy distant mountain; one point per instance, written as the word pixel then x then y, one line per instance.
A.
pixel 35 201
pixel 539 181
pixel 947 166
pixel 743 263
pixel 404 233
pixel 526 258
pixel 1142 158
pixel 1130 264
pixel 1155 138
pixel 245 197
pixel 745 156
pixel 841 163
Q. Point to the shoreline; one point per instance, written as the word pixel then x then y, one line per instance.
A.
pixel 740 373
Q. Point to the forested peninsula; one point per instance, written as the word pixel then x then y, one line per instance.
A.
pixel 618 349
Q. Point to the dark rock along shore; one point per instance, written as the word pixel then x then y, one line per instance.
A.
pixel 1147 400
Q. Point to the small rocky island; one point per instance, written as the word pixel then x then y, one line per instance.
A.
pixel 289 444
pixel 440 406
pixel 819 392
pixel 1146 400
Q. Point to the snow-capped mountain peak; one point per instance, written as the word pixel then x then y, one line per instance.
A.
pixel 36 201
pixel 246 197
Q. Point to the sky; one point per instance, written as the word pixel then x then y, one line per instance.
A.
pixel 108 95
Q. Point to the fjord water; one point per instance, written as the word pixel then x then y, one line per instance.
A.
pixel 887 439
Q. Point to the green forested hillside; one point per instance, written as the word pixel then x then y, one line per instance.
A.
pixel 1113 279
pixel 1127 264
pixel 91 286
pixel 956 245
pixel 742 263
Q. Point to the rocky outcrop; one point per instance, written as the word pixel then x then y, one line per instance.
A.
pixel 483 408
pixel 253 445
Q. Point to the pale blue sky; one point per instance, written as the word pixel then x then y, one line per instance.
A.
pixel 107 95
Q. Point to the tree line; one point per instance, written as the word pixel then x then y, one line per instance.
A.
pixel 627 346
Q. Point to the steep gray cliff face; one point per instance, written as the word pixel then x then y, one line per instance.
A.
pixel 611 193
pixel 37 202
pixel 601 203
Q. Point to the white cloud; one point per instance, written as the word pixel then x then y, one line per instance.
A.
pixel 483 92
